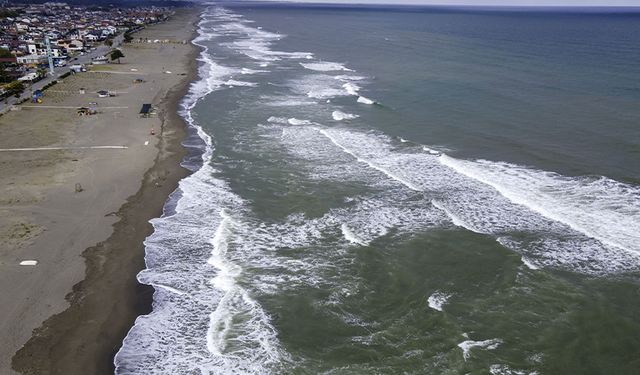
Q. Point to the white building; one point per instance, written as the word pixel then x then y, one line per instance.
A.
pixel 31 59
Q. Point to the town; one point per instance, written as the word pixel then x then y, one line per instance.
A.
pixel 39 40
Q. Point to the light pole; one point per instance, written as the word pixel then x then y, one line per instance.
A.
pixel 49 54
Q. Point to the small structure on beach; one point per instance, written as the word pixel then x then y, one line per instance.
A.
pixel 105 94
pixel 87 111
pixel 146 110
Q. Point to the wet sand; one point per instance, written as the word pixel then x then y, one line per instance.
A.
pixel 72 310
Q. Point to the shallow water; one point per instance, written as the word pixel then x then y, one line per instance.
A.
pixel 402 192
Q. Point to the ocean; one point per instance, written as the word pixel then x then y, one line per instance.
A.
pixel 402 191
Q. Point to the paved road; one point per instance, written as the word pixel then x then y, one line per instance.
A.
pixel 85 59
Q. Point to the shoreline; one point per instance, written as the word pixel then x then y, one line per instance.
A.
pixel 85 337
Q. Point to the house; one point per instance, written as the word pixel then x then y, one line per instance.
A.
pixel 31 59
pixel 71 44
pixel 22 27
pixel 91 38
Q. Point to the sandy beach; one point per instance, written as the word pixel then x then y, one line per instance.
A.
pixel 77 199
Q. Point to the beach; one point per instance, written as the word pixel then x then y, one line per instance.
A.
pixel 77 195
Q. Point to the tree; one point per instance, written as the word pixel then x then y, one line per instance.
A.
pixel 108 42
pixel 14 88
pixel 116 54
pixel 4 77
pixel 127 37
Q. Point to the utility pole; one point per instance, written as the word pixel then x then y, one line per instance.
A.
pixel 49 54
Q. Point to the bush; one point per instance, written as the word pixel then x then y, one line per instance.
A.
pixel 15 87
pixel 49 85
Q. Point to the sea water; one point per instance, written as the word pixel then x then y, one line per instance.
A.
pixel 402 190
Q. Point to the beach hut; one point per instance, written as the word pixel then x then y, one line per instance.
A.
pixel 86 111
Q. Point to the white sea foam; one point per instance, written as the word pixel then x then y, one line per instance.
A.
pixel 431 151
pixel 255 42
pixel 467 345
pixel 351 88
pixel 600 208
pixel 348 78
pixel 318 86
pixel 506 370
pixel 363 100
pixel 340 116
pixel 286 101
pixel 454 218
pixel 170 339
pixel 233 82
pixel 326 66
pixel 350 236
pixel 326 93
pixel 278 120
pixel 529 264
pixel 351 152
pixel 295 121
pixel 478 206
pixel 252 71
pixel 437 300
pixel 170 289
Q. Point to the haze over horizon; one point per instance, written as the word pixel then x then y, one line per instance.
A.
pixel 629 3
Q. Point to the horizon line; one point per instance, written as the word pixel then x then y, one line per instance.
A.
pixel 578 6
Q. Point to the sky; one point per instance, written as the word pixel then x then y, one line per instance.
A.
pixel 486 2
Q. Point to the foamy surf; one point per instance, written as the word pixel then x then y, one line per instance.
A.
pixel 603 209
pixel 506 370
pixel 180 270
pixel 295 121
pixel 350 236
pixel 467 345
pixel 326 67
pixel 364 100
pixel 352 89
pixel 400 179
pixel 341 116
pixel 437 300
pixel 480 208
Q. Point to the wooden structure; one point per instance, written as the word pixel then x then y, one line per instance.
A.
pixel 146 110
